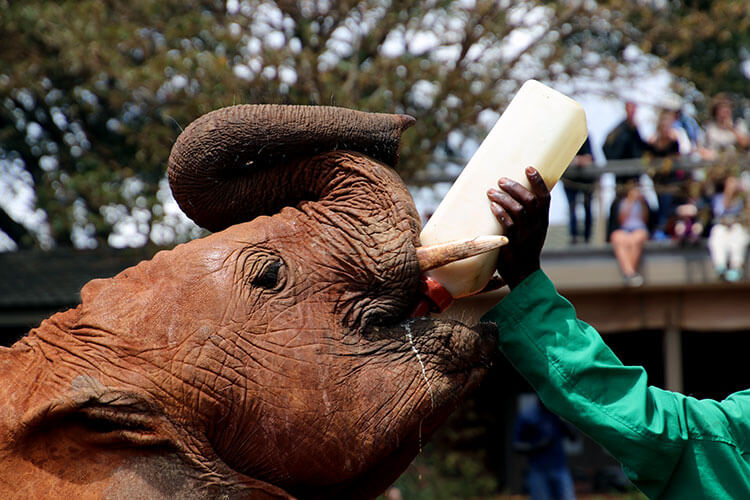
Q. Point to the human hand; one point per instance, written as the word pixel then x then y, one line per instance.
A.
pixel 634 194
pixel 524 215
pixel 583 160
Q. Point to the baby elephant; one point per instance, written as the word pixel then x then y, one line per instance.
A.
pixel 275 358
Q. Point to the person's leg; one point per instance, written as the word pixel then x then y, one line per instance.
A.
pixel 738 241
pixel 564 488
pixel 619 240
pixel 717 247
pixel 682 229
pixel 632 256
pixel 538 487
pixel 696 230
pixel 588 221
pixel 665 201
pixel 638 239
pixel 630 251
pixel 572 195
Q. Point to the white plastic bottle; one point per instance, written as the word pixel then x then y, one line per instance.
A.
pixel 541 128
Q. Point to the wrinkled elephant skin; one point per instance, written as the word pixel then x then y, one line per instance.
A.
pixel 274 358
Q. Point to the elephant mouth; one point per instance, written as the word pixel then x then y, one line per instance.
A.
pixel 445 345
pixel 455 342
pixel 456 347
pixel 456 336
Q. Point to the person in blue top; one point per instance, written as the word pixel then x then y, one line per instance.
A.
pixel 671 446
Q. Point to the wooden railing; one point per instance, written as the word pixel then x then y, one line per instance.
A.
pixel 621 168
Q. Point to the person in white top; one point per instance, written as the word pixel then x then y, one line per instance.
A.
pixel 729 238
pixel 723 133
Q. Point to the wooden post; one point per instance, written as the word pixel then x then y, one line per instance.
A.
pixel 673 379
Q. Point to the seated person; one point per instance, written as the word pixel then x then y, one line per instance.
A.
pixel 692 214
pixel 729 237
pixel 629 231
pixel 687 227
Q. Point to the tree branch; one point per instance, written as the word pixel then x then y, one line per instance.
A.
pixel 22 237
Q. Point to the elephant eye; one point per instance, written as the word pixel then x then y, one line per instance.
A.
pixel 267 271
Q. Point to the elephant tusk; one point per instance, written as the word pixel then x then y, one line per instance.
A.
pixel 432 256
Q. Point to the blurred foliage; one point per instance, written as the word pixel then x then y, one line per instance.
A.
pixel 94 93
pixel 466 458
pixel 470 456
pixel 451 475
pixel 703 42
pixel 456 463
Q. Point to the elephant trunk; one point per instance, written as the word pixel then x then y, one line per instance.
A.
pixel 219 168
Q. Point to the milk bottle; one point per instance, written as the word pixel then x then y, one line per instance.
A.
pixel 541 128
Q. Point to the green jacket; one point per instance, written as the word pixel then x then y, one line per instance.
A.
pixel 670 445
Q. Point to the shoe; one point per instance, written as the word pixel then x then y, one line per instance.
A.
pixel 733 275
pixel 659 235
pixel 634 280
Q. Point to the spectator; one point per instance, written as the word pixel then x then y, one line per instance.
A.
pixel 722 132
pixel 687 227
pixel 692 131
pixel 729 238
pixel 667 180
pixel 539 434
pixel 576 183
pixel 691 215
pixel 665 141
pixel 624 141
pixel 629 217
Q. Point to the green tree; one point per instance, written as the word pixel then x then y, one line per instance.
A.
pixel 93 93
pixel 704 43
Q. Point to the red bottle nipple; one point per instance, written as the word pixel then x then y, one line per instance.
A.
pixel 435 297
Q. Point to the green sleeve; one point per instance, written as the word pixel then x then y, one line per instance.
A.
pixel 669 444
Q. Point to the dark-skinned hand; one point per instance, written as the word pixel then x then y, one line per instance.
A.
pixel 524 214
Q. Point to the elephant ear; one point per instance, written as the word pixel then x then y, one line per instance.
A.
pixel 219 168
pixel 98 415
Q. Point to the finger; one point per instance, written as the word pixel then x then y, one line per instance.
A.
pixel 502 216
pixel 538 186
pixel 511 206
pixel 517 192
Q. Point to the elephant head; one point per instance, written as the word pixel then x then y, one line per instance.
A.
pixel 275 357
